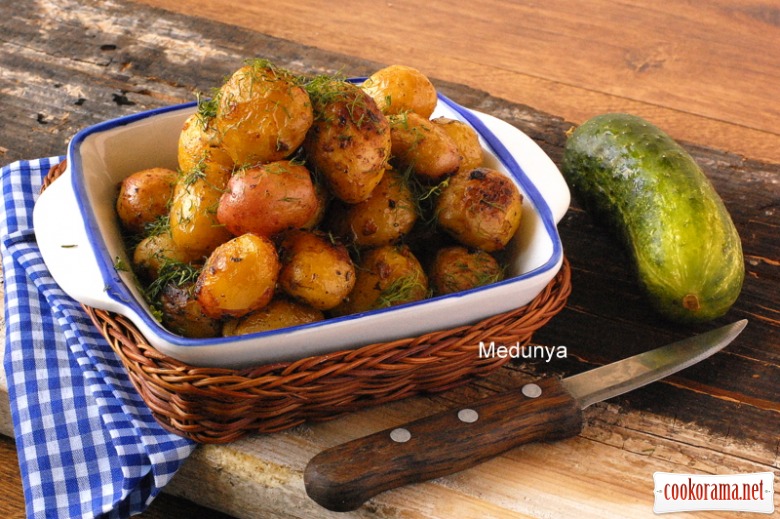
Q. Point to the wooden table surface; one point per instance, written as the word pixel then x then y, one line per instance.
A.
pixel 707 74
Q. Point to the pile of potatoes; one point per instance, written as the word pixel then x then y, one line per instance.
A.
pixel 298 199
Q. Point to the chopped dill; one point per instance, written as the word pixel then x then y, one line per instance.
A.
pixel 207 107
pixel 401 290
pixel 171 271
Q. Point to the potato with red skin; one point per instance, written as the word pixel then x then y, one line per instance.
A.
pixel 480 208
pixel 384 218
pixel 279 313
pixel 349 141
pixel 466 141
pixel 144 197
pixel 262 114
pixel 423 146
pixel 268 199
pixel 238 277
pixel 457 268
pixel 315 269
pixel 399 88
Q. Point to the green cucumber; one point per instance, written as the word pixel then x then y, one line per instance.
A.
pixel 643 185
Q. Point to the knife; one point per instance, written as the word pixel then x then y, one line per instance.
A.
pixel 342 478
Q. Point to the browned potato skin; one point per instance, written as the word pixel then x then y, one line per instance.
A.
pixel 466 141
pixel 457 268
pixel 153 252
pixel 238 277
pixel 384 218
pixel 323 206
pixel 262 114
pixel 279 313
pixel 199 142
pixel 268 199
pixel 425 147
pixel 144 197
pixel 315 270
pixel 399 88
pixel 480 208
pixel 182 314
pixel 349 142
pixel 380 274
pixel 193 212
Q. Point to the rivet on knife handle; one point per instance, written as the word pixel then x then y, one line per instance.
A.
pixel 344 477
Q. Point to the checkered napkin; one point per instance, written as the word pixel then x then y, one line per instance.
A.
pixel 88 445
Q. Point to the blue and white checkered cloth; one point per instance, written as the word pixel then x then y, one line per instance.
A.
pixel 88 445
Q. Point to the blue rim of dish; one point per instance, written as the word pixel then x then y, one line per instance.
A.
pixel 117 289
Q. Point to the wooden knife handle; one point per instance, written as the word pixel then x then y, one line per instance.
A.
pixel 343 477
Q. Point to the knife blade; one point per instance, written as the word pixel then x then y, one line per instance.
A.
pixel 343 477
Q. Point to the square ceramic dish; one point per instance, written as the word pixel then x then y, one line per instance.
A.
pixel 80 240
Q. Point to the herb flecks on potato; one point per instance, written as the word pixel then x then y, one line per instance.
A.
pixel 300 198
pixel 349 142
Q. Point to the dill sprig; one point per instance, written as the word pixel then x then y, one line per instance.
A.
pixel 207 106
pixel 401 290
pixel 171 272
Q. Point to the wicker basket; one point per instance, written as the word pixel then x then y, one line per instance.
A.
pixel 219 405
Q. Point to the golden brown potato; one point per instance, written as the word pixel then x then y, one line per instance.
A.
pixel 238 277
pixel 425 147
pixel 199 142
pixel 398 88
pixel 457 268
pixel 193 212
pixel 153 252
pixel 387 276
pixel 144 197
pixel 262 114
pixel 268 199
pixel 182 314
pixel 480 208
pixel 279 313
pixel 385 217
pixel 315 269
pixel 465 139
pixel 349 142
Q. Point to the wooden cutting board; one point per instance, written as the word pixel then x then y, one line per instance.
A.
pixel 99 60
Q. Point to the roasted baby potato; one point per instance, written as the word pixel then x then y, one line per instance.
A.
pixel 199 142
pixel 457 268
pixel 144 197
pixel 398 89
pixel 183 314
pixel 155 251
pixel 279 313
pixel 466 141
pixel 262 114
pixel 238 277
pixel 315 269
pixel 387 276
pixel 423 146
pixel 349 142
pixel 480 208
pixel 193 212
pixel 268 199
pixel 384 218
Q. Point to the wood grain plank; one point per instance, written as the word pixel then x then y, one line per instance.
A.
pixel 681 66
